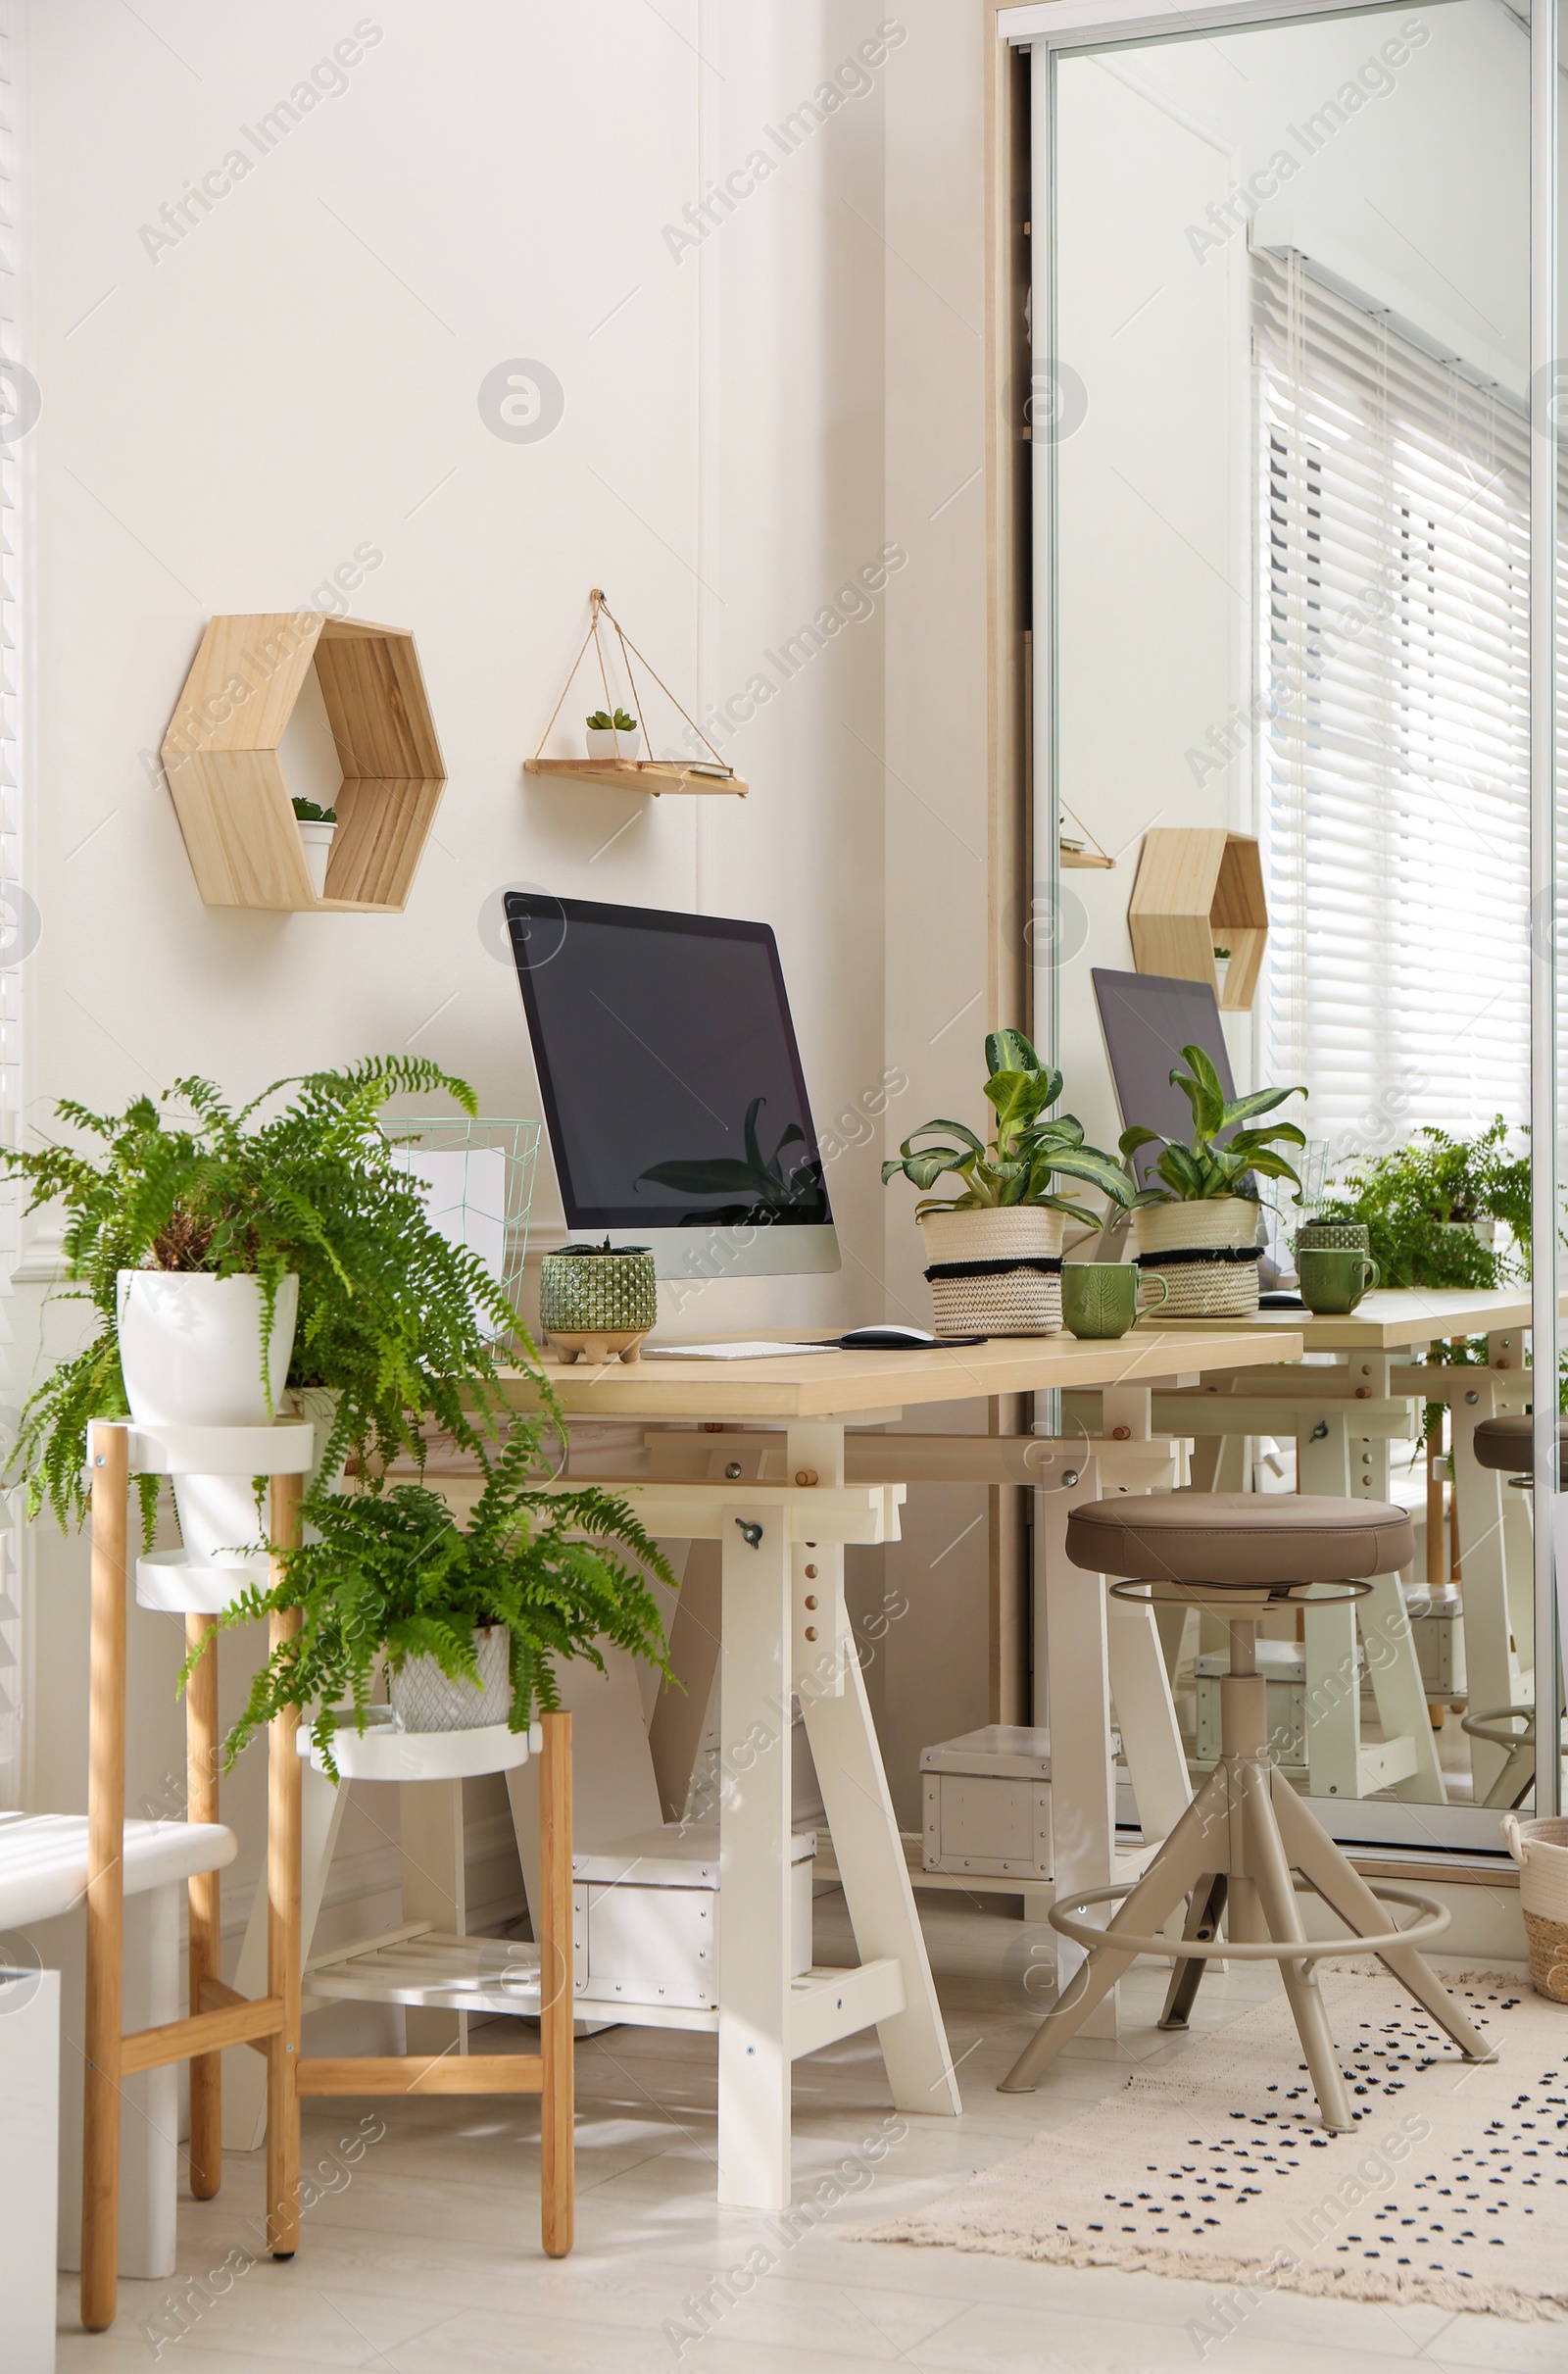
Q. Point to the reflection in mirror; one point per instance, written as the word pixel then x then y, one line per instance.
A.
pixel 1290 504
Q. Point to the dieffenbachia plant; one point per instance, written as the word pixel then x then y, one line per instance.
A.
pixel 1193 1174
pixel 1028 1149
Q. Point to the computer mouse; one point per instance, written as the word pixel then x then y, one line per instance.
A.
pixel 895 1338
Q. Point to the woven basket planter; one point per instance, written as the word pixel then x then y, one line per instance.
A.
pixel 995 1272
pixel 1205 1253
pixel 1540 1851
pixel 424 1698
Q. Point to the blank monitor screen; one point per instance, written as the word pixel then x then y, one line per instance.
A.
pixel 667 1065
pixel 1147 1019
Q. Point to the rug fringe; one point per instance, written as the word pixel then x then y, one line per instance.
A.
pixel 1320 2283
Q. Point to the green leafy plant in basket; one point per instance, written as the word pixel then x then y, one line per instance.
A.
pixel 1028 1150
pixel 395 1575
pixel 405 1327
pixel 1199 1171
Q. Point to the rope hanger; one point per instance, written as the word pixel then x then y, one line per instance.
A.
pixel 599 606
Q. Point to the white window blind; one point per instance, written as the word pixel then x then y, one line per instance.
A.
pixel 1394 723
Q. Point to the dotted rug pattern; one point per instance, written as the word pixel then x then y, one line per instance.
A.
pixel 1451 2190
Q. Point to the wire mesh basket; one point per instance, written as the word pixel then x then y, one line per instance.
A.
pixel 477 1180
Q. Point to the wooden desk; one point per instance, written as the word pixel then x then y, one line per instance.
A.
pixel 1393 1320
pixel 784 1628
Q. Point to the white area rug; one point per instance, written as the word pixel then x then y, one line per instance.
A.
pixel 1453 2190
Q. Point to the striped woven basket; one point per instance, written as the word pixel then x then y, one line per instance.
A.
pixel 995 1272
pixel 1205 1253
pixel 1205 1289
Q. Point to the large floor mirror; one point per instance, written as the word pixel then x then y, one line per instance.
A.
pixel 1287 341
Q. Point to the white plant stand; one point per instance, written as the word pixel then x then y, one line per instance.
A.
pixel 216 2014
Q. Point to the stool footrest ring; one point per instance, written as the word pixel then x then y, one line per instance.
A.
pixel 1435 1918
pixel 1238 1599
pixel 1487 1724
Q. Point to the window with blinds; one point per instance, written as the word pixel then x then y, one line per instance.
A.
pixel 1393 722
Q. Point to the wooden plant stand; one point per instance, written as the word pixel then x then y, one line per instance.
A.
pixel 217 2015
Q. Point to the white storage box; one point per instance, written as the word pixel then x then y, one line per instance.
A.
pixel 988 1803
pixel 1283 1664
pixel 1438 1629
pixel 646 1917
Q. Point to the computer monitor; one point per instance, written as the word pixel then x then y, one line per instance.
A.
pixel 671 1086
pixel 1147 1019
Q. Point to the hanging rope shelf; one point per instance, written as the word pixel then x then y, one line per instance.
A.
pixel 1077 852
pixel 629 772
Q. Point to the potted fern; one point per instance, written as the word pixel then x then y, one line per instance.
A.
pixel 228 1253
pixel 469 1619
pixel 993 1249
pixel 1199 1227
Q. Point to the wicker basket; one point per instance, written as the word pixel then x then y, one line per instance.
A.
pixel 995 1272
pixel 1171 1240
pixel 1540 1851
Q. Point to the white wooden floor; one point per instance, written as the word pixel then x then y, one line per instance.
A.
pixel 423 2252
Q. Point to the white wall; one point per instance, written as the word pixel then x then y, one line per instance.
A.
pixel 748 423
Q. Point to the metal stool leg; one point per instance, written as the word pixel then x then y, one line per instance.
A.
pixel 1174 1873
pixel 1265 1853
pixel 1343 1889
pixel 1203 1925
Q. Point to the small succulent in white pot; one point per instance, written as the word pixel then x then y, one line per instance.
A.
pixel 613 734
pixel 995 1248
pixel 316 827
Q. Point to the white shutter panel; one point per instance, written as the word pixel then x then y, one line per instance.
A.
pixel 1394 723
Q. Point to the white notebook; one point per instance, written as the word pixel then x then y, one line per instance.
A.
pixel 728 1352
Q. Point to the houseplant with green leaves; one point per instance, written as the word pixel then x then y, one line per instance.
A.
pixel 226 1252
pixel 1421 1204
pixel 994 1245
pixel 614 733
pixel 396 1580
pixel 1195 1217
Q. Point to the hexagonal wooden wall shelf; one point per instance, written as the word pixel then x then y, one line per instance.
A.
pixel 1196 891
pixel 222 756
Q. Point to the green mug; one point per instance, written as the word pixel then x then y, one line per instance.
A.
pixel 1101 1298
pixel 1333 1281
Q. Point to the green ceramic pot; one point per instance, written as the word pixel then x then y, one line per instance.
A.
pixel 598 1290
pixel 1333 1236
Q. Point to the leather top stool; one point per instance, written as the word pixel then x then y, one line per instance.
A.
pixel 1243 1556
pixel 1505 1444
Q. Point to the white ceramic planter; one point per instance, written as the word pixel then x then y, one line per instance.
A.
pixel 603 745
pixel 1020 1301
pixel 190 1353
pixel 424 1698
pixel 317 840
